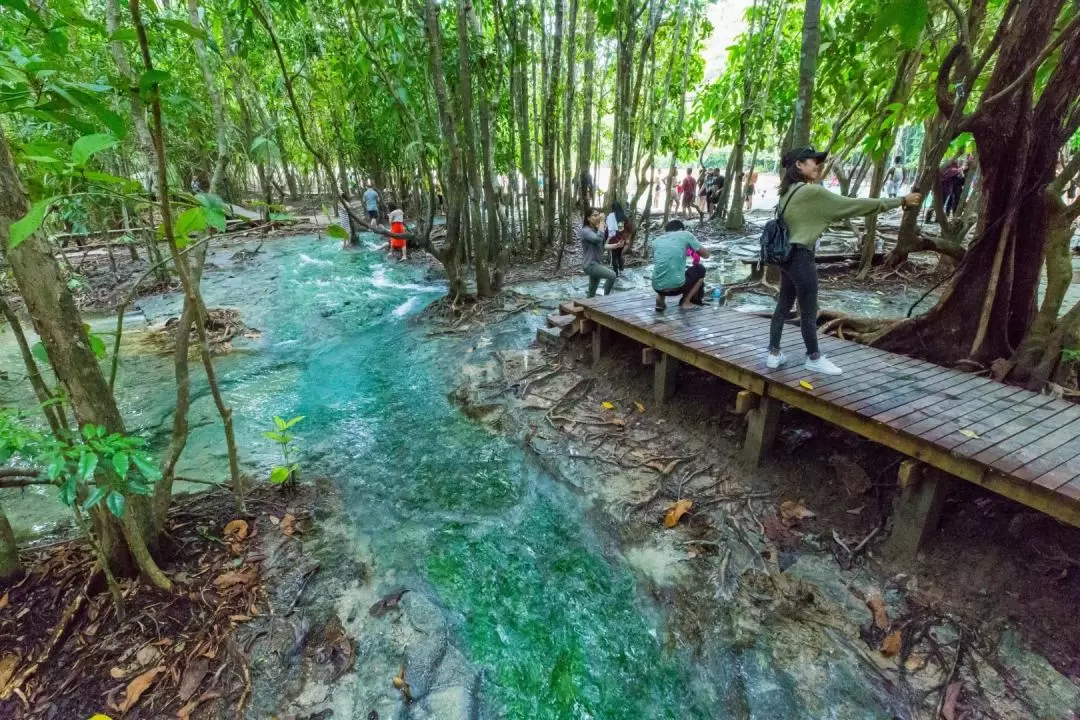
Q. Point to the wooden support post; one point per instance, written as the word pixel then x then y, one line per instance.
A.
pixel 761 430
pixel 922 495
pixel 746 401
pixel 649 356
pixel 666 368
pixel 600 340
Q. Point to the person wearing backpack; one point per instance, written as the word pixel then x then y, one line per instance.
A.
pixel 805 210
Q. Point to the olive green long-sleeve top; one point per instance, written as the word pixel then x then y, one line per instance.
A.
pixel 813 207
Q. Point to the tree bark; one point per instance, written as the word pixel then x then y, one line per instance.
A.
pixel 478 232
pixel 567 195
pixel 10 565
pixel 584 158
pixel 988 308
pixel 551 103
pixel 221 125
pixel 804 103
pixel 138 109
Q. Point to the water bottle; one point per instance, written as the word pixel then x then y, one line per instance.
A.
pixel 718 295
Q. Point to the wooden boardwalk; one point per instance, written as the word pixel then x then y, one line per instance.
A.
pixel 1018 443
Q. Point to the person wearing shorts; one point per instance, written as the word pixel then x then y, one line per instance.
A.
pixel 371 203
pixel 749 188
pixel 689 192
pixel 399 248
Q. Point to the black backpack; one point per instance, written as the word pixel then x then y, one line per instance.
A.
pixel 775 241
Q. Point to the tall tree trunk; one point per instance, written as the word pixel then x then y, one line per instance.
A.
pixel 804 103
pixel 567 196
pixel 520 97
pixel 217 107
pixel 551 102
pixel 478 233
pixel 679 117
pixel 869 241
pixel 10 565
pixel 138 111
pixel 584 158
pixel 626 27
pixel 735 220
pixel 57 321
pixel 987 310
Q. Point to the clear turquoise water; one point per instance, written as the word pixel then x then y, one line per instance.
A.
pixel 536 590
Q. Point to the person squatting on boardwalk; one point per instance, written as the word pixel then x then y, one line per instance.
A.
pixel 808 208
pixel 592 253
pixel 670 275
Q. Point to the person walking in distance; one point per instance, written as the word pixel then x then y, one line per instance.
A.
pixel 894 178
pixel 689 192
pixel 807 209
pixel 371 203
pixel 398 247
pixel 671 277
pixel 619 230
pixel 749 188
pixel 592 253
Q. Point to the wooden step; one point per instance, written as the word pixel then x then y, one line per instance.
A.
pixel 570 308
pixel 550 337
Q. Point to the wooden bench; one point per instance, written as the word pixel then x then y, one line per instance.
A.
pixel 1017 443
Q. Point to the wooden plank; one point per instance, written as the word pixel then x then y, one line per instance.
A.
pixel 1027 437
pixel 919 422
pixel 1034 418
pixel 964 422
pixel 1046 444
pixel 907 387
pixel 1049 460
pixel 761 430
pixel 665 370
pixel 1015 413
pixel 873 379
pixel 1061 475
pixel 942 389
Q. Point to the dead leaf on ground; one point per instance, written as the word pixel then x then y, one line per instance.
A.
pixel 275 520
pixel 288 525
pixel 876 603
pixel 237 529
pixel 147 655
pixel 138 686
pixel 639 406
pixel 117 673
pixel 676 511
pixel 806 385
pixel 952 696
pixel 234 577
pixel 3 601
pixel 855 511
pixel 792 512
pixel 400 684
pixel 890 646
pixel 8 663
pixel 192 678
pixel 607 405
pixel 970 434
pixel 387 603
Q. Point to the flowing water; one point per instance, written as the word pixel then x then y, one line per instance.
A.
pixel 536 587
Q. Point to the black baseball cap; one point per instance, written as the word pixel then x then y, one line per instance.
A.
pixel 804 153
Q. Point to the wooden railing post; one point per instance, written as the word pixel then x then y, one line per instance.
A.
pixel 665 370
pixel 918 509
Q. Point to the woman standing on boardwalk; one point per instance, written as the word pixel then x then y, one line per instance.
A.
pixel 807 209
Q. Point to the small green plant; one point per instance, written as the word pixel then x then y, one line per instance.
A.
pixel 1070 355
pixel 288 472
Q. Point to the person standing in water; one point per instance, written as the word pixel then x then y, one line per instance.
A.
pixel 689 192
pixel 592 253
pixel 619 230
pixel 894 178
pixel 807 208
pixel 397 226
pixel 371 203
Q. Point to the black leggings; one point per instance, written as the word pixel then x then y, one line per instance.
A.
pixel 798 280
pixel 617 263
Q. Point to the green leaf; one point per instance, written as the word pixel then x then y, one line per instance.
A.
pixel 152 77
pixel 146 466
pixel 280 422
pixel 39 353
pixel 85 147
pixel 216 219
pixel 97 345
pixel 68 488
pixel 138 487
pixel 124 35
pixel 279 475
pixel 121 463
pixel 96 496
pixel 292 422
pixel 189 221
pixel 185 27
pixel 116 503
pixel 29 223
pixel 41 158
pixel 336 231
pixel 88 463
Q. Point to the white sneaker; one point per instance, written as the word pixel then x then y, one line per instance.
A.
pixel 823 365
pixel 775 361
